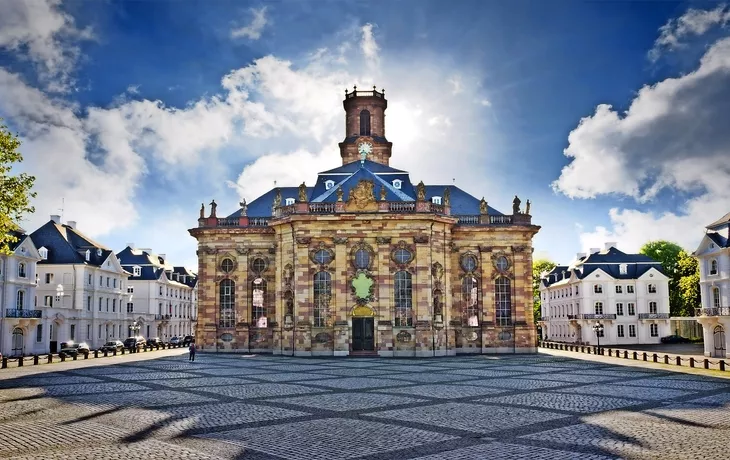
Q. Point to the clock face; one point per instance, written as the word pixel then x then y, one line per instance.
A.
pixel 365 148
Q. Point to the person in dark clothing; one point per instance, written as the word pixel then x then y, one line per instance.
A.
pixel 192 351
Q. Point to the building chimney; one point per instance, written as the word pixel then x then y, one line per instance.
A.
pixel 581 255
pixel 55 218
pixel 163 257
pixel 71 223
pixel 130 245
pixel 608 246
pixel 595 250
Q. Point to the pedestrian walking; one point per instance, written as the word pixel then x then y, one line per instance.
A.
pixel 192 351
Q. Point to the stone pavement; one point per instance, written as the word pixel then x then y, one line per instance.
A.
pixel 272 407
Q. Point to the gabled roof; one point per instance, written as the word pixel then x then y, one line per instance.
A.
pixel 349 182
pixel 66 245
pixel 610 262
pixel 718 239
pixel 353 166
pixel 462 203
pixel 721 221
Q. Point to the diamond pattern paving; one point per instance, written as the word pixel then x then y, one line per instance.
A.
pixel 271 407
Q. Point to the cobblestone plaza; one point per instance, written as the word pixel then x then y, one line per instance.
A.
pixel 276 407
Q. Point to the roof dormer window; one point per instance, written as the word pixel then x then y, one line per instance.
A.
pixel 98 252
pixel 623 269
pixel 397 183
pixel 289 201
pixel 328 184
pixel 436 200
pixel 87 255
pixel 43 252
pixel 137 271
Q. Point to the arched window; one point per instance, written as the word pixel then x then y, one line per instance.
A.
pixel 362 259
pixel 258 302
pixel 503 301
pixel 322 296
pixel 21 270
pixel 715 297
pixel 470 294
pixel 713 267
pixel 227 296
pixel 364 123
pixel 20 300
pixel 403 299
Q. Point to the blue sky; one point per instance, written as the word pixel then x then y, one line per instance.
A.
pixel 133 113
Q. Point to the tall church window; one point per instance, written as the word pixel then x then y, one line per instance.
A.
pixel 470 294
pixel 503 300
pixel 403 299
pixel 258 302
pixel 227 310
pixel 365 123
pixel 322 296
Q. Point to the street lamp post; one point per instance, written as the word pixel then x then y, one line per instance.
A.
pixel 598 329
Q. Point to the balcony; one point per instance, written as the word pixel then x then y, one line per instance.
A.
pixel 714 311
pixel 653 315
pixel 162 317
pixel 19 313
pixel 596 316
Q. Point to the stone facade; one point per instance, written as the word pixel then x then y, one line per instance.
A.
pixel 398 275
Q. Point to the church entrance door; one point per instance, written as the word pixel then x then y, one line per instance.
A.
pixel 363 334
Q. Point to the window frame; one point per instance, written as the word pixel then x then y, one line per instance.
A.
pixel 471 308
pixel 403 298
pixel 226 303
pixel 598 308
pixel 652 307
pixel 632 330
pixel 619 309
pixel 503 301
pixel 328 184
pixel 620 333
pixel 714 267
pixel 598 289
pixel 651 288
pixel 654 330
pixel 322 295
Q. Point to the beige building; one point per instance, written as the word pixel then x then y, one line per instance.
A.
pixel 366 262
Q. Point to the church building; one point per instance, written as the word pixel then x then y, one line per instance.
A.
pixel 363 261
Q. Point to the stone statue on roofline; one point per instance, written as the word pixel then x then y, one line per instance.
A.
pixel 383 192
pixel 527 207
pixel 420 192
pixel 447 197
pixel 483 207
pixel 340 193
pixel 213 207
pixel 244 207
pixel 277 198
pixel 516 205
pixel 202 210
pixel 303 193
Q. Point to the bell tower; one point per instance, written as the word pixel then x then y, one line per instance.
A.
pixel 365 127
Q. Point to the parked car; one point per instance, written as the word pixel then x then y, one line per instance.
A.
pixel 674 338
pixel 175 340
pixel 72 349
pixel 112 345
pixel 187 340
pixel 154 342
pixel 134 342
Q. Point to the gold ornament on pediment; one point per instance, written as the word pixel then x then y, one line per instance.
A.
pixel 363 310
pixel 362 197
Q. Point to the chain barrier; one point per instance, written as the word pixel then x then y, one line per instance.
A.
pixel 706 363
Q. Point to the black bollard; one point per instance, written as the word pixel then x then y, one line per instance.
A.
pixel 35 360
pixel 20 362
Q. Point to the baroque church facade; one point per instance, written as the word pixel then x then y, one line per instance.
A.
pixel 365 262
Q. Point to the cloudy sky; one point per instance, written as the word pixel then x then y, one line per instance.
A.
pixel 611 117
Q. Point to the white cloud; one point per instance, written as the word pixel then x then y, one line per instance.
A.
pixel 692 23
pixel 98 191
pixel 133 89
pixel 672 139
pixel 369 46
pixel 40 31
pixel 486 102
pixel 457 86
pixel 254 29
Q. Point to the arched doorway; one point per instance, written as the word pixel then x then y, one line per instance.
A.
pixel 18 341
pixel 718 335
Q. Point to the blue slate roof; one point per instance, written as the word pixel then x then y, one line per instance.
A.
pixel 718 239
pixel 152 266
pixel 67 245
pixel 347 176
pixel 20 238
pixel 724 220
pixel 610 262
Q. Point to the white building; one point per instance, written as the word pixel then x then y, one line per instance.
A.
pixel 713 256
pixel 81 287
pixel 628 294
pixel 164 302
pixel 21 328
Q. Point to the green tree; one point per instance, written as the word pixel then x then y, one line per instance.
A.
pixel 668 254
pixel 15 191
pixel 539 267
pixel 688 272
